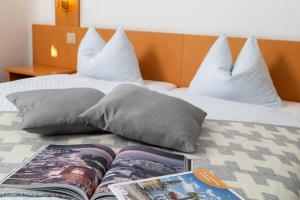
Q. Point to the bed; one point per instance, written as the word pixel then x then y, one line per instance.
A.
pixel 254 149
pixel 240 143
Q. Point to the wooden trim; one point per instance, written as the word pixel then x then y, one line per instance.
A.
pixel 173 57
pixel 39 70
pixel 16 73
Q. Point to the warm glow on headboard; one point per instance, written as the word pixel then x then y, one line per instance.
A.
pixel 54 52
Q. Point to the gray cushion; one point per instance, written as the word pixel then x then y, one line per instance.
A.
pixel 55 111
pixel 143 115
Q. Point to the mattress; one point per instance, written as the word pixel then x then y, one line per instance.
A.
pixel 258 161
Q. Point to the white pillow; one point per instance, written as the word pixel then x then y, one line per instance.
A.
pixel 90 45
pixel 247 81
pixel 115 61
pixel 159 85
pixel 291 107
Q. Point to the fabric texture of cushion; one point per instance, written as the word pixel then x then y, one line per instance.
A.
pixel 114 61
pixel 55 111
pixel 143 115
pixel 247 81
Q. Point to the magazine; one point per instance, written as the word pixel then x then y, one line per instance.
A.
pixel 196 185
pixel 85 171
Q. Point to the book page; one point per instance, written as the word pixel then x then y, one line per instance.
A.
pixel 139 162
pixel 75 166
pixel 199 184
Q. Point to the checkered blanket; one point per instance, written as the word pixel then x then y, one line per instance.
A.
pixel 258 161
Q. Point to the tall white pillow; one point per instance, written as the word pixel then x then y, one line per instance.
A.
pixel 214 71
pixel 91 44
pixel 247 81
pixel 115 61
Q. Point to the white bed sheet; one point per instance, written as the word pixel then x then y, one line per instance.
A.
pixel 228 110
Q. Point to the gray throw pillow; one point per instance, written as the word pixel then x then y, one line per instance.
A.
pixel 146 116
pixel 55 111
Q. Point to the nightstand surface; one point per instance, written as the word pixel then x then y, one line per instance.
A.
pixel 16 73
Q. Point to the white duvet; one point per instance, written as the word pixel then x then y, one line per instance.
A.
pixel 228 110
pixel 216 108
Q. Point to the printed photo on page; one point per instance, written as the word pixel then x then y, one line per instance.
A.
pixel 196 185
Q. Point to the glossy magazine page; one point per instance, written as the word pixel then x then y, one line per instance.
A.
pixel 199 184
pixel 76 170
pixel 139 162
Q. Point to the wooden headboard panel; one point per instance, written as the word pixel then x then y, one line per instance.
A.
pixel 173 57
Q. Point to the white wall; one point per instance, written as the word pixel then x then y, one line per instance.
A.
pixel 13 34
pixel 278 19
pixel 275 19
pixel 41 12
pixel 266 18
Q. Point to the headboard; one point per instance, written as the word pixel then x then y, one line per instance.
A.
pixel 173 57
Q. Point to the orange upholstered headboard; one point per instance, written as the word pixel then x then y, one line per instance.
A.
pixel 173 57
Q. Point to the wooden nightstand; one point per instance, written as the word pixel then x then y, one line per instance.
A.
pixel 16 73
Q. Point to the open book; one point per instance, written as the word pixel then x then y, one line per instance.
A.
pixel 85 171
pixel 199 184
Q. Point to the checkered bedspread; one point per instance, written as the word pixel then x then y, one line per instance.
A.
pixel 258 161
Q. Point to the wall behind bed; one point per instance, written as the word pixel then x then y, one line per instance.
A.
pixel 276 19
